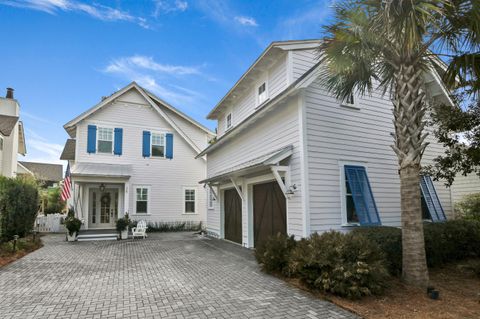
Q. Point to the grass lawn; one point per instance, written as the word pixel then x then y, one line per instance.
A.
pixel 24 246
pixel 459 290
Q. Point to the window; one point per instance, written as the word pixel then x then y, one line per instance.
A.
pixel 350 101
pixel 105 140
pixel 158 145
pixel 358 204
pixel 210 198
pixel 1 143
pixel 141 203
pixel 228 121
pixel 262 93
pixel 352 217
pixel 431 207
pixel 189 199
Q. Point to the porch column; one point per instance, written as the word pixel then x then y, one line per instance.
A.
pixel 126 197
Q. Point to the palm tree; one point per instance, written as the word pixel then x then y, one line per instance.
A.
pixel 387 44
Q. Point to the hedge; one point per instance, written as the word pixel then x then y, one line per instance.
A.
pixel 444 242
pixel 18 206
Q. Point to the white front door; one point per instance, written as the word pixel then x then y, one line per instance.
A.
pixel 103 208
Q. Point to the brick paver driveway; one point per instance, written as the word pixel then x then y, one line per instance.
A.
pixel 175 275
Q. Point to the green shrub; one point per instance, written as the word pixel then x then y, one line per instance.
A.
pixel 122 224
pixel 274 254
pixel 73 224
pixel 444 242
pixel 172 226
pixel 54 204
pixel 469 207
pixel 389 239
pixel 451 241
pixel 18 206
pixel 348 265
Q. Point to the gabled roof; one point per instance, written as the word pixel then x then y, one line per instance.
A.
pixel 68 152
pixel 70 126
pixel 279 45
pixel 7 123
pixel 44 171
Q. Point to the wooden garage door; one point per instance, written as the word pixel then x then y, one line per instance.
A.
pixel 233 216
pixel 269 211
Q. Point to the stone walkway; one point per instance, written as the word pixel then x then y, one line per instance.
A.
pixel 173 275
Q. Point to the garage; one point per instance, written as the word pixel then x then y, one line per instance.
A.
pixel 269 211
pixel 233 216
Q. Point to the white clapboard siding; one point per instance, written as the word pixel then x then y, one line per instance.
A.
pixel 302 61
pixel 276 77
pixel 465 185
pixel 277 129
pixel 166 178
pixel 338 133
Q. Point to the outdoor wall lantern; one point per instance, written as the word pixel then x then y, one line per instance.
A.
pixel 102 187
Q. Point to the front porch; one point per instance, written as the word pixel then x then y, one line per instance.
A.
pixel 100 195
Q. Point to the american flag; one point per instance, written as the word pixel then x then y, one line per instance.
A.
pixel 66 186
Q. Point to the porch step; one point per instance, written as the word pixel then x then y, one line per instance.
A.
pixel 96 237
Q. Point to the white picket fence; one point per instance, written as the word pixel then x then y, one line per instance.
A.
pixel 51 223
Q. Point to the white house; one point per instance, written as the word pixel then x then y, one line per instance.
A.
pixel 12 137
pixel 135 153
pixel 291 158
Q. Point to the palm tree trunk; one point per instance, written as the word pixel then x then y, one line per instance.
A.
pixel 414 267
pixel 409 110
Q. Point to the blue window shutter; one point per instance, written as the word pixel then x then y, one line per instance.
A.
pixel 117 149
pixel 362 195
pixel 169 144
pixel 146 144
pixel 92 139
pixel 429 193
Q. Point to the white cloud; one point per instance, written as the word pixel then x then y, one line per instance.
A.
pixel 97 11
pixel 149 74
pixel 246 21
pixel 168 6
pixel 40 149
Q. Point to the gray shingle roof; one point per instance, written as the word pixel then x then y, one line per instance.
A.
pixel 68 152
pixel 45 171
pixel 7 123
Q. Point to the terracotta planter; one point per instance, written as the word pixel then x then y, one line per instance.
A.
pixel 72 238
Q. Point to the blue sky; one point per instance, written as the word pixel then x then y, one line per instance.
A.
pixel 62 56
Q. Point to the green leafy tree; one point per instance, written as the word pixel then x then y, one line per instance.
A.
pixel 388 44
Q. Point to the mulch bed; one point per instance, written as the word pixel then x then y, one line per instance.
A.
pixel 459 297
pixel 7 256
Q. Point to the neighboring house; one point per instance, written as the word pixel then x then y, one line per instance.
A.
pixel 291 158
pixel 465 185
pixel 49 175
pixel 12 137
pixel 135 153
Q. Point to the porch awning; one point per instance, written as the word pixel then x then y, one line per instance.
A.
pixel 252 166
pixel 101 170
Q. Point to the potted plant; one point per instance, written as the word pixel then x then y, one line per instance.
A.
pixel 72 224
pixel 122 226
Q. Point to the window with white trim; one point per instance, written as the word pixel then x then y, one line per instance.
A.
pixel 1 143
pixel 158 145
pixel 262 94
pixel 105 140
pixel 350 101
pixel 141 200
pixel 189 198
pixel 210 198
pixel 228 121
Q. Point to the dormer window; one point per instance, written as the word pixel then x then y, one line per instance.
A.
pixel 350 101
pixel 262 93
pixel 228 121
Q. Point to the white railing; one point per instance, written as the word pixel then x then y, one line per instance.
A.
pixel 52 223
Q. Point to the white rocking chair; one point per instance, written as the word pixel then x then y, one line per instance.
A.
pixel 140 230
